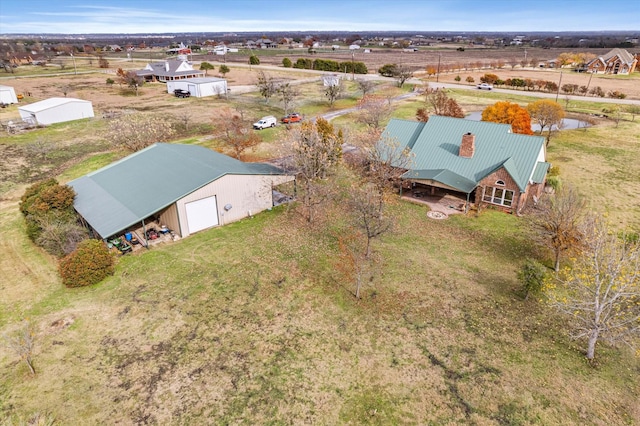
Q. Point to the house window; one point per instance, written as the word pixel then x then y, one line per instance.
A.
pixel 500 196
pixel 500 182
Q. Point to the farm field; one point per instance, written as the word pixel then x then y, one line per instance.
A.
pixel 252 323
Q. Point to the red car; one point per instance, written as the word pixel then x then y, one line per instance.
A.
pixel 294 117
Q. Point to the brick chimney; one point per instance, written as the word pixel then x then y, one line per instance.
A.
pixel 468 145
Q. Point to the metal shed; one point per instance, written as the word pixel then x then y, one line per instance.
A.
pixel 8 95
pixel 56 110
pixel 200 87
pixel 188 188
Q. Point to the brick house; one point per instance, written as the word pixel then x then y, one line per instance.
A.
pixel 481 161
pixel 616 61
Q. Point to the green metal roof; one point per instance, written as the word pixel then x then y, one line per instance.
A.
pixel 540 172
pixel 436 143
pixel 126 192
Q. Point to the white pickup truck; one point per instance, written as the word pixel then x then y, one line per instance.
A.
pixel 264 122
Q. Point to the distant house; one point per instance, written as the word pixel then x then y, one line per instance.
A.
pixel 56 110
pixel 484 162
pixel 266 43
pixel 8 95
pixel 616 61
pixel 200 87
pixel 171 69
pixel 187 188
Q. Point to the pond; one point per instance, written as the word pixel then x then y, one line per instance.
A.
pixel 567 123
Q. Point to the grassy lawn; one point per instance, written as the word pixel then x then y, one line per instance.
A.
pixel 252 323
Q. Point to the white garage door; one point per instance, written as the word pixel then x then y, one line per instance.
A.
pixel 202 214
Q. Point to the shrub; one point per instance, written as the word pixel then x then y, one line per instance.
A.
pixel 489 78
pixel 304 63
pixel 617 95
pixel 457 78
pixel 388 70
pixel 253 60
pixel 469 79
pixel 554 182
pixel 88 264
pixel 532 275
pixel 110 81
pixel 286 62
pixel 59 237
pixel 46 200
pixel 353 67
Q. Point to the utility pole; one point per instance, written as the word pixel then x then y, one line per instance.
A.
pixel 353 71
pixel 75 69
pixel 588 83
pixel 559 83
pixel 438 70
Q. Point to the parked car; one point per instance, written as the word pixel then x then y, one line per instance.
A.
pixel 484 86
pixel 264 122
pixel 294 117
pixel 179 93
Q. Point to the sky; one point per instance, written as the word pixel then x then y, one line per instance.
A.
pixel 161 16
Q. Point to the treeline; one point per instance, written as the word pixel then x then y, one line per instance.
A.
pixel 549 86
pixel 329 65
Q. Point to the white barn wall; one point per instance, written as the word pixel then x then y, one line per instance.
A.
pixel 8 95
pixel 198 89
pixel 246 194
pixel 59 113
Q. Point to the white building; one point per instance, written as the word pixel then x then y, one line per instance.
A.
pixel 56 110
pixel 8 95
pixel 199 87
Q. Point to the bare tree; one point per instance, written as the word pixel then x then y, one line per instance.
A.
pixel 402 73
pixel 235 132
pixel 365 86
pixel 367 206
pixel 439 103
pixel 315 150
pixel 384 162
pixel 266 85
pixel 288 94
pixel 22 342
pixel 600 293
pixel 556 221
pixel 547 114
pixel 333 92
pixel 373 110
pixel 137 131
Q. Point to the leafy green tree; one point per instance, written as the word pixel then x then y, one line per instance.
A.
pixel 206 66
pixel 388 70
pixel 532 276
pixel 286 62
pixel 224 70
pixel 254 60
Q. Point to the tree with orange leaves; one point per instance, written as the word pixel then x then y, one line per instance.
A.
pixel 509 113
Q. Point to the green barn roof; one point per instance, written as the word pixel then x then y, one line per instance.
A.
pixel 126 192
pixel 435 146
